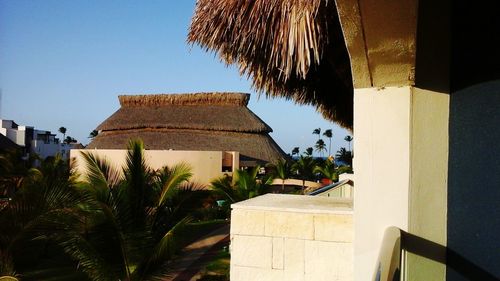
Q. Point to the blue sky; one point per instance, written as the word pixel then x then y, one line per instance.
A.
pixel 63 63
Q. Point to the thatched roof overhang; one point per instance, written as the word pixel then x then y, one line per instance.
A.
pixel 294 49
pixel 260 147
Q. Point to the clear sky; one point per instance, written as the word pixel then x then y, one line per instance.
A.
pixel 63 63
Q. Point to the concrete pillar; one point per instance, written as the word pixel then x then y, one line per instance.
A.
pixel 401 143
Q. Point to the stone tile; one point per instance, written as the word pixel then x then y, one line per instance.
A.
pixel 289 224
pixel 251 251
pixel 294 259
pixel 278 253
pixel 247 222
pixel 331 227
pixel 328 261
pixel 241 273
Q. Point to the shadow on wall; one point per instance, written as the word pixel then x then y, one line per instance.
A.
pixel 474 182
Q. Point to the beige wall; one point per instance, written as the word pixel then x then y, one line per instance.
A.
pixel 428 178
pixel 343 191
pixel 401 143
pixel 382 170
pixel 291 237
pixel 206 165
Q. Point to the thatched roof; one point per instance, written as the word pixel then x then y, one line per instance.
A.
pixel 206 122
pixel 204 111
pixel 292 48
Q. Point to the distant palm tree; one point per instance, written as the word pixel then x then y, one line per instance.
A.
pixel 317 132
pixel 69 140
pixel 244 185
pixel 93 134
pixel 320 147
pixel 328 133
pixel 344 156
pixel 309 151
pixel 280 170
pixel 348 139
pixel 62 130
pixel 295 151
pixel 304 167
pixel 327 170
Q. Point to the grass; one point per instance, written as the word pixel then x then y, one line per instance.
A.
pixel 196 230
pixel 218 269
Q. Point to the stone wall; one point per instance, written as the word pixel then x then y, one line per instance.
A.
pixel 292 237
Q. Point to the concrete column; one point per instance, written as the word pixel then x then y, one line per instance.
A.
pixel 401 143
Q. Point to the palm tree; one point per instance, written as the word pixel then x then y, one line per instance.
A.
pixel 69 140
pixel 280 170
pixel 36 219
pixel 244 185
pixel 140 215
pixel 320 147
pixel 348 139
pixel 93 134
pixel 344 156
pixel 62 130
pixel 117 225
pixel 309 151
pixel 304 167
pixel 295 151
pixel 317 132
pixel 328 133
pixel 327 170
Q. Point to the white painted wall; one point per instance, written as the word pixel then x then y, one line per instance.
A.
pixel 382 169
pixel 206 165
pixel 401 143
pixel 44 149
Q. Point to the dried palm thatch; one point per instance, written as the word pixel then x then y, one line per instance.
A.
pixel 200 122
pixel 251 145
pixel 206 111
pixel 292 48
pixel 237 99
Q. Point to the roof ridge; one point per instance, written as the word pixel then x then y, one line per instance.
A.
pixel 207 98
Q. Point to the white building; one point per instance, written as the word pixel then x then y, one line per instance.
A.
pixel 41 142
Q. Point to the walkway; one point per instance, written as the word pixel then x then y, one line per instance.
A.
pixel 196 255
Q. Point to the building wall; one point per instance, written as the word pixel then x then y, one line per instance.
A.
pixel 381 169
pixel 401 139
pixel 206 165
pixel 428 180
pixel 474 183
pixel 344 191
pixel 44 149
pixel 291 238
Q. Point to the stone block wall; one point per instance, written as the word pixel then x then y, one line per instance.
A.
pixel 292 237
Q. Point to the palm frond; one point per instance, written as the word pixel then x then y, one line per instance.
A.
pixel 162 252
pixel 223 187
pixel 171 178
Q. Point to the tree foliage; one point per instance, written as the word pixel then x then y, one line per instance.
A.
pixel 115 225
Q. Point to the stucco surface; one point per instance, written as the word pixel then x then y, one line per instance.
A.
pixel 474 183
pixel 206 165
pixel 381 40
pixel 381 168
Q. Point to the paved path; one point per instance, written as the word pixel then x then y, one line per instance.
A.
pixel 195 256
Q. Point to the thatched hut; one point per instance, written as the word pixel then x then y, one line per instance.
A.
pixel 191 122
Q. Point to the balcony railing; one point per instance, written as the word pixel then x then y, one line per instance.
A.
pixel 391 264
